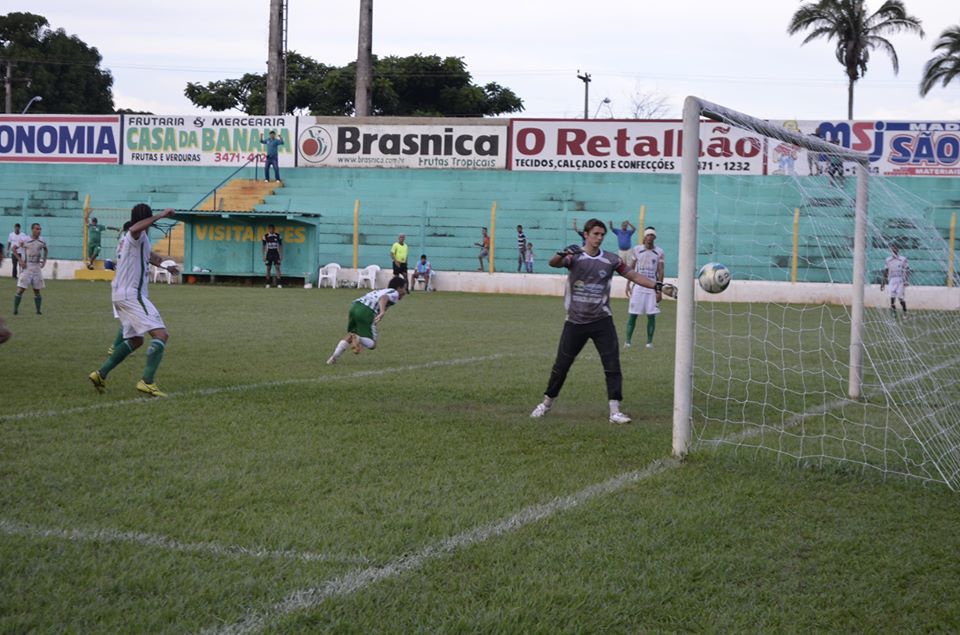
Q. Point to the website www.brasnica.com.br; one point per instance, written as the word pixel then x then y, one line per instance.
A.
pixel 370 160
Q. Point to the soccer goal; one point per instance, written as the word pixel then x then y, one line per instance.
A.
pixel 802 356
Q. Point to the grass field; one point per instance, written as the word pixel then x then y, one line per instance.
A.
pixel 407 490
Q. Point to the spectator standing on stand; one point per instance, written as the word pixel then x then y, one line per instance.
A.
pixel 624 238
pixel 484 246
pixel 272 157
pixel 521 248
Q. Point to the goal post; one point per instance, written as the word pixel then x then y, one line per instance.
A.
pixel 805 358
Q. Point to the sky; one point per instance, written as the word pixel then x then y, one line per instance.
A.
pixel 735 53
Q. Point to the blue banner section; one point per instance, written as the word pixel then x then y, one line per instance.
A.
pixel 60 138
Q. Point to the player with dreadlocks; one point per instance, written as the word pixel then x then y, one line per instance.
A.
pixel 137 314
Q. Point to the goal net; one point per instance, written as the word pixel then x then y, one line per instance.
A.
pixel 802 358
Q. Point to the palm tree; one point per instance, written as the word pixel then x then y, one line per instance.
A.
pixel 857 33
pixel 944 66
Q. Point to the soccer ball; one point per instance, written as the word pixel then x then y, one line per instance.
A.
pixel 713 277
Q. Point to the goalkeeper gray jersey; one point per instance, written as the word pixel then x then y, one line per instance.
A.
pixel 587 295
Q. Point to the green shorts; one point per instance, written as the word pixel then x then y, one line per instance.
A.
pixel 93 251
pixel 361 321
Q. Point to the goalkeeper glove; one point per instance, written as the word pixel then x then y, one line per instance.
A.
pixel 667 289
pixel 570 250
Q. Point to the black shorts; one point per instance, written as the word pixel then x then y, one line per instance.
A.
pixel 400 269
pixel 273 257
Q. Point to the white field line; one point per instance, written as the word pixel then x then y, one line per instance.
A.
pixel 161 542
pixel 149 540
pixel 360 578
pixel 216 390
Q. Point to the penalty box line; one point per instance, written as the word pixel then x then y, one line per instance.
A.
pixel 217 390
pixel 12 528
pixel 360 578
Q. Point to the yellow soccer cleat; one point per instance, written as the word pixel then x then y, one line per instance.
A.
pixel 150 389
pixel 99 383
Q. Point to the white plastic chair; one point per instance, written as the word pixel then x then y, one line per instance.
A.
pixel 162 271
pixel 329 273
pixel 368 274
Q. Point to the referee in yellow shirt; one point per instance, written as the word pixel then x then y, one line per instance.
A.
pixel 398 253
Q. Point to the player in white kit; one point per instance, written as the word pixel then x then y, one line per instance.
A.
pixel 137 314
pixel 896 274
pixel 648 260
pixel 32 254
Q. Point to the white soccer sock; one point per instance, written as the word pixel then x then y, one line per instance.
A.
pixel 367 342
pixel 548 401
pixel 341 346
pixel 614 406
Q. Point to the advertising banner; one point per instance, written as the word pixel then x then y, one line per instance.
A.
pixel 647 147
pixel 896 148
pixel 448 146
pixel 60 138
pixel 207 140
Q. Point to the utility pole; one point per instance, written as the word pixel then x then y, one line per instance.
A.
pixel 274 58
pixel 364 93
pixel 8 88
pixel 585 78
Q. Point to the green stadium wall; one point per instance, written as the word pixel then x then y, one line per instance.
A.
pixel 442 211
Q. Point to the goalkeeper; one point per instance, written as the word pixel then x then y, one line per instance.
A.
pixel 587 298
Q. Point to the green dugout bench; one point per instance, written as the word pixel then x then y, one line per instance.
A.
pixel 228 244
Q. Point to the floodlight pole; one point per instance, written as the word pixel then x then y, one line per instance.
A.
pixel 585 78
pixel 605 100
pixel 30 103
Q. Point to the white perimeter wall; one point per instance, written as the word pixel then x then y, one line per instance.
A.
pixel 940 298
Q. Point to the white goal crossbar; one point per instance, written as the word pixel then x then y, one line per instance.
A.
pixel 694 110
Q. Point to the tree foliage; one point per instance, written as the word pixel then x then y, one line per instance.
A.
pixel 60 68
pixel 415 86
pixel 944 67
pixel 856 31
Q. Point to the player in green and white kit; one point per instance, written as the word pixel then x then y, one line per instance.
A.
pixel 646 259
pixel 32 254
pixel 137 314
pixel 365 314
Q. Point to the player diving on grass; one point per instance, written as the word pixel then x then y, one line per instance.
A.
pixel 365 314
pixel 137 314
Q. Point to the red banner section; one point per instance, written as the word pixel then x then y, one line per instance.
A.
pixel 647 147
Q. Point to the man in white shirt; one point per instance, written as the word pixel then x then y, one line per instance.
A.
pixel 137 314
pixel 14 239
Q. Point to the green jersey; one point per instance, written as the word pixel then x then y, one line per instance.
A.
pixel 93 235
